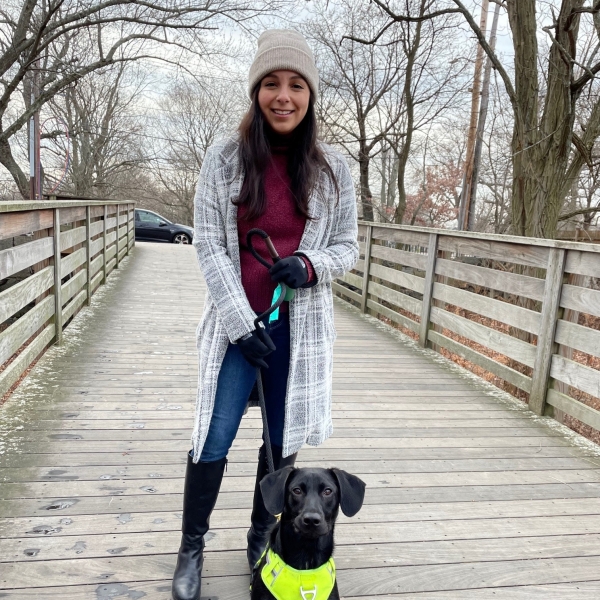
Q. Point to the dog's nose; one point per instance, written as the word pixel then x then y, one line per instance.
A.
pixel 311 519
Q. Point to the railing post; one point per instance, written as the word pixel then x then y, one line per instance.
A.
pixel 128 227
pixel 133 224
pixel 365 288
pixel 428 288
pixel 117 240
pixel 57 280
pixel 104 269
pixel 545 342
pixel 88 250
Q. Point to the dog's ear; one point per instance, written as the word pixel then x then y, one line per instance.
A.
pixel 352 491
pixel 272 487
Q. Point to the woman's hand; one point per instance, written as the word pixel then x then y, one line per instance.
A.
pixel 291 270
pixel 255 346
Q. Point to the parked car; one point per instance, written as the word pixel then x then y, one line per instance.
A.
pixel 150 226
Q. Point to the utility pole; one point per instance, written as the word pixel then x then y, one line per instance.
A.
pixel 475 99
pixel 485 100
pixel 35 180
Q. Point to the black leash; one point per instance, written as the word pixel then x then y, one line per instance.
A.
pixel 258 323
pixel 263 411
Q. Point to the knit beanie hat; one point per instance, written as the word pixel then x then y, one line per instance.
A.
pixel 283 49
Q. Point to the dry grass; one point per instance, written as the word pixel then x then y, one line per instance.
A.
pixel 580 357
pixel 587 399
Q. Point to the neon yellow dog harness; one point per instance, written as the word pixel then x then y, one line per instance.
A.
pixel 286 583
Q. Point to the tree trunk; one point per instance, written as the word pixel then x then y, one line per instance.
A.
pixel 404 153
pixel 541 146
pixel 391 192
pixel 365 191
pixel 7 160
pixel 465 195
pixel 384 181
pixel 483 111
pixel 410 119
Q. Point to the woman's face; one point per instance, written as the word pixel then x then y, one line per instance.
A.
pixel 283 98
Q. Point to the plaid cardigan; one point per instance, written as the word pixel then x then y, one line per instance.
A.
pixel 329 242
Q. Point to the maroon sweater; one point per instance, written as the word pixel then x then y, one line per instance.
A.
pixel 284 226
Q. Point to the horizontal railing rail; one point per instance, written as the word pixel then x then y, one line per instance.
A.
pixel 523 313
pixel 54 255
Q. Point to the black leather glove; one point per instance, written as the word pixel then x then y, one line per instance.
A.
pixel 291 270
pixel 255 346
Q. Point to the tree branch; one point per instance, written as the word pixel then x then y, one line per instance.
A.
pixel 461 9
pixel 581 211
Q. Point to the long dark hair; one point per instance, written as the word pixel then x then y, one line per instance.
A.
pixel 305 161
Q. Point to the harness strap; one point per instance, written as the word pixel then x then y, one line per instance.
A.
pixel 287 583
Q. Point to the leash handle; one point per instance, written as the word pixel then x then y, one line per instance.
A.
pixel 270 247
pixel 275 257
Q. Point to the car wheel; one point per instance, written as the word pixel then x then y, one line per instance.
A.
pixel 181 238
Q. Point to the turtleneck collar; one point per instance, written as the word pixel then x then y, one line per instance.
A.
pixel 280 144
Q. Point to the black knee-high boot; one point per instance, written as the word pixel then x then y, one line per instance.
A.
pixel 261 520
pixel 202 484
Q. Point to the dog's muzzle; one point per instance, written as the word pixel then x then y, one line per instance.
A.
pixel 311 524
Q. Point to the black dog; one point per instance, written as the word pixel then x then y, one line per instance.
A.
pixel 308 501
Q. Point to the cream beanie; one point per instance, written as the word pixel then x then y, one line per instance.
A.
pixel 283 49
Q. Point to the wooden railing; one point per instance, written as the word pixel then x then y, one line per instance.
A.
pixel 53 257
pixel 523 312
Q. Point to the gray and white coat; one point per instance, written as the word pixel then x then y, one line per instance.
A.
pixel 330 243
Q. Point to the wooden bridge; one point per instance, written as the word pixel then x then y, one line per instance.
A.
pixel 470 494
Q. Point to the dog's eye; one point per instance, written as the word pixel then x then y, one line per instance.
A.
pixel 297 491
pixel 327 492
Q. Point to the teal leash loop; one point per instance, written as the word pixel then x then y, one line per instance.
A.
pixel 276 294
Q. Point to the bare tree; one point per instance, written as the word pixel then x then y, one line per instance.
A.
pixel 356 80
pixel 433 81
pixel 388 172
pixel 495 173
pixel 194 114
pixel 427 85
pixel 47 46
pixel 434 202
pixel 548 150
pixel 582 207
pixel 98 112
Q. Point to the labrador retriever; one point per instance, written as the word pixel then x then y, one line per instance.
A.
pixel 308 501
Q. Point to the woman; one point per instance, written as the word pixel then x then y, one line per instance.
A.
pixel 277 177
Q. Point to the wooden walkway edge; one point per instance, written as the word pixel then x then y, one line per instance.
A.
pixel 468 497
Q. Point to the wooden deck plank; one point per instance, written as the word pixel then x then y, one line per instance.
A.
pixel 66 506
pixel 181 443
pixel 71 572
pixel 375 423
pixel 225 518
pixel 577 590
pixel 382 581
pixel 232 537
pixel 236 456
pixel 248 469
pixel 467 497
pixel 42 438
pixel 150 485
pixel 165 409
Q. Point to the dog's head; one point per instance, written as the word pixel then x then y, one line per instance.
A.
pixel 310 498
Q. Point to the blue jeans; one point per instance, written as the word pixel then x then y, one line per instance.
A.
pixel 236 380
